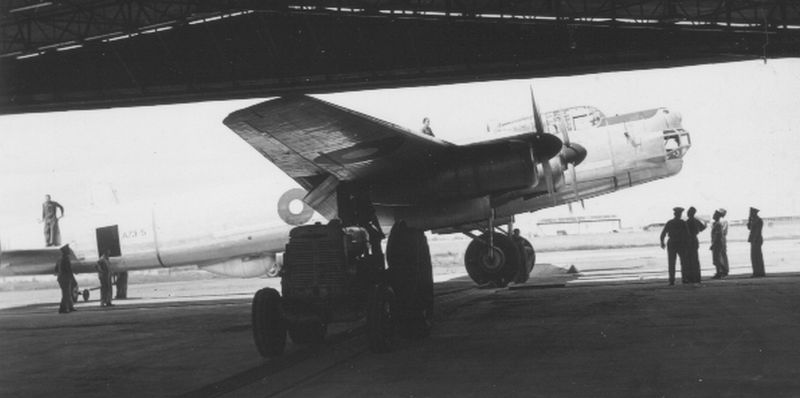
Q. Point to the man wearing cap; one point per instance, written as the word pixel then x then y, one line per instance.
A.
pixel 66 280
pixel 678 234
pixel 695 226
pixel 719 244
pixel 755 225
pixel 104 274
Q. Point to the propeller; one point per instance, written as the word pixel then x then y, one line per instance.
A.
pixel 571 155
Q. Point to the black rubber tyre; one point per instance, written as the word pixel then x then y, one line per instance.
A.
pixel 85 294
pixel 76 293
pixel 308 332
pixel 411 278
pixel 269 327
pixel 380 318
pixel 530 259
pixel 500 268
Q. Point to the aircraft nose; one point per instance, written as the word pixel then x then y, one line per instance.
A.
pixel 673 118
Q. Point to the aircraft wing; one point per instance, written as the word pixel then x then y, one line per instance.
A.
pixel 310 140
pixel 29 261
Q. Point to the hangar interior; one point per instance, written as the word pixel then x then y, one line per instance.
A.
pixel 84 54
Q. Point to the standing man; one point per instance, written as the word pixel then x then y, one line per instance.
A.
pixel 676 246
pixel 694 226
pixel 719 244
pixel 52 235
pixel 426 127
pixel 104 274
pixel 66 281
pixel 755 225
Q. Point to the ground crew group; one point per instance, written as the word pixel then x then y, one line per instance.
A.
pixel 67 283
pixel 683 244
pixel 63 270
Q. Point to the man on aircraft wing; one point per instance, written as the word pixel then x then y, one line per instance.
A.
pixel 52 235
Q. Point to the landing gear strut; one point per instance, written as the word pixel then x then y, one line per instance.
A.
pixel 122 285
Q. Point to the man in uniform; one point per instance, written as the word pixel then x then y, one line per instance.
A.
pixel 52 235
pixel 755 225
pixel 66 281
pixel 426 127
pixel 676 246
pixel 695 226
pixel 104 274
pixel 719 244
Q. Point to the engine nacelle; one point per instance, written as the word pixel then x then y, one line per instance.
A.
pixel 472 171
pixel 248 267
pixel 440 214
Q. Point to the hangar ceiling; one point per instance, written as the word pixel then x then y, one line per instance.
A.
pixel 82 54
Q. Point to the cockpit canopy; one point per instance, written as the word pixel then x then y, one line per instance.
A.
pixel 567 119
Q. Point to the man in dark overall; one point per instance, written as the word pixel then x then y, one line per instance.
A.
pixel 676 246
pixel 755 225
pixel 695 226
pixel 66 281
pixel 719 244
pixel 52 235
pixel 104 274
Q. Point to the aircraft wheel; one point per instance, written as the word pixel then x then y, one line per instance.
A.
pixel 308 332
pixel 269 327
pixel 500 267
pixel 529 256
pixel 380 318
pixel 411 278
pixel 75 294
pixel 85 294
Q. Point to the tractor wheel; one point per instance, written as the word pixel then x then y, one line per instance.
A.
pixel 269 327
pixel 380 318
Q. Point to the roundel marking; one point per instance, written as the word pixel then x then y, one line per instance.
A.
pixel 288 208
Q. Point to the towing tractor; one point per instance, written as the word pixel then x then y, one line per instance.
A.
pixel 332 274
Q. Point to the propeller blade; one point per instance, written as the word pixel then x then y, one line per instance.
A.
pixel 575 183
pixel 537 117
pixel 548 178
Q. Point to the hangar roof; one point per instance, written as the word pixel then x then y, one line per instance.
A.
pixel 57 55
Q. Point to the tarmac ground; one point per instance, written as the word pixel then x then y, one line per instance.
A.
pixel 613 330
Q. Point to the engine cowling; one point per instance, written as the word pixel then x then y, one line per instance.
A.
pixel 471 171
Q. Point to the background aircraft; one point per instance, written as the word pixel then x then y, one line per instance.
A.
pixel 194 228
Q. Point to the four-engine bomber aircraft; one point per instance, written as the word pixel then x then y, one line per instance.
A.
pixel 373 175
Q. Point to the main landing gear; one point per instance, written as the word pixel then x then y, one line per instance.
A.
pixel 499 258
